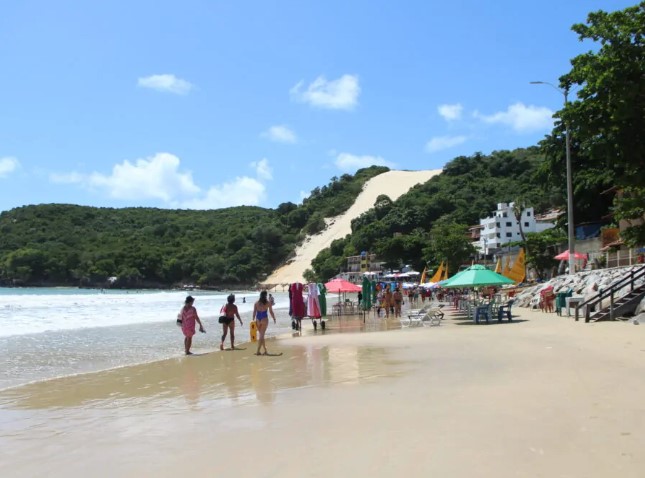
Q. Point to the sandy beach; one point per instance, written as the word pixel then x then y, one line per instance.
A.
pixel 543 396
pixel 392 183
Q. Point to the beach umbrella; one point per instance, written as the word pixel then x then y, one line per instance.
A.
pixel 445 282
pixel 477 276
pixel 341 285
pixel 366 304
pixel 564 256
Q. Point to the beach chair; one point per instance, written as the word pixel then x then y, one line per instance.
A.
pixel 432 316
pixel 410 320
pixel 422 310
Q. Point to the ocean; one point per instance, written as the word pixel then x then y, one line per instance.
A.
pixel 54 332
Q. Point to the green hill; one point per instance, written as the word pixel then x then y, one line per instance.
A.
pixel 60 244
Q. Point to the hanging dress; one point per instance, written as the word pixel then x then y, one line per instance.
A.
pixel 322 299
pixel 313 304
pixel 297 301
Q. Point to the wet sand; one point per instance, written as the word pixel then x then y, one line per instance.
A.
pixel 542 396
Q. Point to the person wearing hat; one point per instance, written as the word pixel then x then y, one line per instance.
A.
pixel 188 319
pixel 227 319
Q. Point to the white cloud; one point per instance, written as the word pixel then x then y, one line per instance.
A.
pixel 166 83
pixel 450 112
pixel 241 191
pixel 159 177
pixel 280 134
pixel 352 162
pixel 340 94
pixel 8 165
pixel 521 118
pixel 439 143
pixel 262 169
pixel 156 177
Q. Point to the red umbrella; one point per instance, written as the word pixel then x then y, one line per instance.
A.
pixel 341 285
pixel 565 256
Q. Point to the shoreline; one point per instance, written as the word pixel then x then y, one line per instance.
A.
pixel 526 398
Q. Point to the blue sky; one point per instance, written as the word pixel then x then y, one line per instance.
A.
pixel 208 104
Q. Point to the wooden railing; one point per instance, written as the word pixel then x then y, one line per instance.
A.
pixel 628 280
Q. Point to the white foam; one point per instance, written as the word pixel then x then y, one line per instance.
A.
pixel 68 309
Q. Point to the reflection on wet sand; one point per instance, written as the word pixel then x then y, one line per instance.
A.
pixel 219 378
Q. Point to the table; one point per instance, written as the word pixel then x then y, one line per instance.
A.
pixel 343 308
pixel 572 301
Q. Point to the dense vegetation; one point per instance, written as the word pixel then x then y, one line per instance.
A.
pixel 58 244
pixel 428 224
pixel 606 118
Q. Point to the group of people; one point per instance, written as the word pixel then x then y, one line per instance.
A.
pixel 389 301
pixel 188 319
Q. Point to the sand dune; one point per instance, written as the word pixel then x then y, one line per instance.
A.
pixel 392 183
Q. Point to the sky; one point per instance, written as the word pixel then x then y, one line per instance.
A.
pixel 208 104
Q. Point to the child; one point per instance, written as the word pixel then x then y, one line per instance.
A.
pixel 188 318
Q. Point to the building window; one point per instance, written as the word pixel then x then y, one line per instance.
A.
pixel 499 224
pixel 528 213
pixel 504 215
pixel 498 235
pixel 509 224
pixel 526 224
pixel 509 234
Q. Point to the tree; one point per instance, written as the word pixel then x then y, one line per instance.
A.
pixel 607 120
pixel 401 249
pixel 449 242
pixel 543 247
pixel 382 205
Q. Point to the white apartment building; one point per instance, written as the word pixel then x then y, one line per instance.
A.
pixel 503 228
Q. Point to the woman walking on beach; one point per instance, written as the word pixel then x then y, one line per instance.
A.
pixel 261 311
pixel 188 319
pixel 227 320
pixel 397 298
pixel 388 302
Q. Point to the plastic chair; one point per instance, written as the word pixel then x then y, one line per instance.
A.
pixel 505 310
pixel 561 301
pixel 483 310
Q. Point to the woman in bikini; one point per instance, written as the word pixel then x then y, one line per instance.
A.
pixel 261 311
pixel 229 312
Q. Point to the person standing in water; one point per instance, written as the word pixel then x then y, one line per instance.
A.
pixel 188 319
pixel 261 311
pixel 227 320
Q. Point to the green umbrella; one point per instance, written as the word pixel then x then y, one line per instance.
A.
pixel 445 282
pixel 366 302
pixel 477 276
pixel 322 299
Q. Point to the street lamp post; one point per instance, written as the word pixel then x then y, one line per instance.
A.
pixel 570 228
